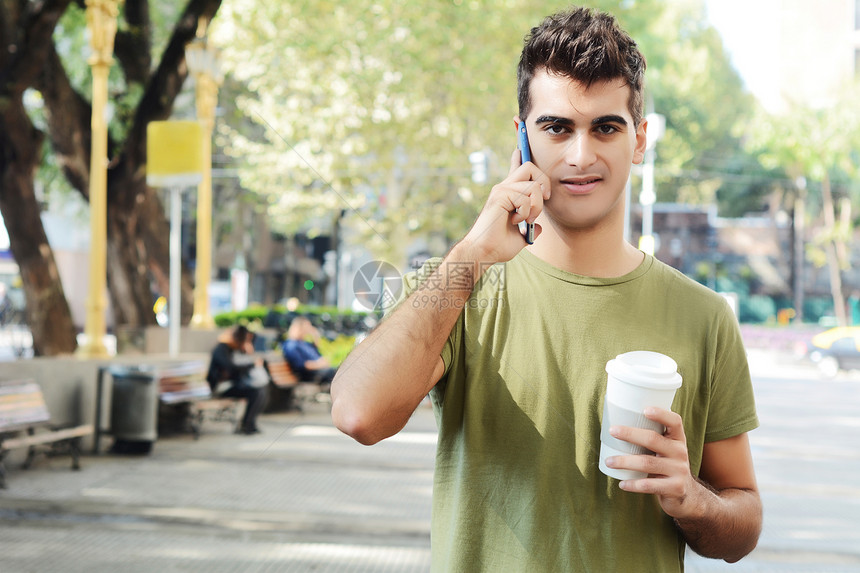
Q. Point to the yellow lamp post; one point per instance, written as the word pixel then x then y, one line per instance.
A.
pixel 174 159
pixel 203 64
pixel 101 22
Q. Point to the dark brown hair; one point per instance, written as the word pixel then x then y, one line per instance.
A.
pixel 240 333
pixel 586 45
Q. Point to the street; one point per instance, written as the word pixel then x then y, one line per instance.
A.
pixel 302 497
pixel 807 456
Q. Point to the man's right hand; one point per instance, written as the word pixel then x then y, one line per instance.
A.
pixel 495 237
pixel 382 381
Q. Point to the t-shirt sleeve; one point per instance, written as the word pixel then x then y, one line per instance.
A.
pixel 732 407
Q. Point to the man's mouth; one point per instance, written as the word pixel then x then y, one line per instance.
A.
pixel 581 184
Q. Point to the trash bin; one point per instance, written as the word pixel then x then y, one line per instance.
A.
pixel 134 409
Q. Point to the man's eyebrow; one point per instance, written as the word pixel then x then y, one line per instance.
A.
pixel 609 119
pixel 554 119
pixel 567 122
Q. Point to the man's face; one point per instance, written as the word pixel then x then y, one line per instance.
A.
pixel 585 142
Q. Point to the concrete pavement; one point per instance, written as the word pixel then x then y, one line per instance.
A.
pixel 302 497
pixel 298 497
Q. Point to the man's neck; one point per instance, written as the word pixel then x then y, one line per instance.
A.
pixel 599 251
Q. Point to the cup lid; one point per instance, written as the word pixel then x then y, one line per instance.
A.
pixel 645 368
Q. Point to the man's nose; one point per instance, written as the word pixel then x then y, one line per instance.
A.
pixel 580 152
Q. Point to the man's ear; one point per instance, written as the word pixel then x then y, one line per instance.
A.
pixel 641 142
pixel 516 122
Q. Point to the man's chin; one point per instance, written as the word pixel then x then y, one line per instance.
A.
pixel 573 222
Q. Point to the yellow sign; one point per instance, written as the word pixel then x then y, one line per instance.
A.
pixel 174 151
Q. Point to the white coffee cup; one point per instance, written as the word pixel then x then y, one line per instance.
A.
pixel 636 380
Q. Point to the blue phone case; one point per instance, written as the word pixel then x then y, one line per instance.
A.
pixel 528 229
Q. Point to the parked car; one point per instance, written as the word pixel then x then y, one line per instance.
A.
pixel 836 349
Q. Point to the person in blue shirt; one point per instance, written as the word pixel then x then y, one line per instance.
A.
pixel 302 354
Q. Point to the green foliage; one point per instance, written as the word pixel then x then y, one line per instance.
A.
pixel 252 314
pixel 692 82
pixel 818 308
pixel 374 107
pixel 756 309
pixel 745 185
pixel 817 149
pixel 336 350
pixel 810 142
pixel 256 314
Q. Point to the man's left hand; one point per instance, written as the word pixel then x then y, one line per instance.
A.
pixel 669 476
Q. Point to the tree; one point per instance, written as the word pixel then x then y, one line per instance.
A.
pixel 25 34
pixel 693 84
pixel 137 229
pixel 374 107
pixel 817 147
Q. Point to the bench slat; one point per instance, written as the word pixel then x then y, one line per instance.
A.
pixel 282 375
pixel 216 403
pixel 47 437
pixel 21 404
pixel 186 395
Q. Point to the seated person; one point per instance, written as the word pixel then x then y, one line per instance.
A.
pixel 301 353
pixel 231 362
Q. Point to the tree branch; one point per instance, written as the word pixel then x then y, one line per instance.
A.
pixel 68 115
pixel 133 47
pixel 33 38
pixel 166 83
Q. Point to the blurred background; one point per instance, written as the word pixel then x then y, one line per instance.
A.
pixel 345 133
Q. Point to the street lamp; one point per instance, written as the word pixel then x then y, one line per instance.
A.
pixel 203 63
pixel 101 23
pixel 647 198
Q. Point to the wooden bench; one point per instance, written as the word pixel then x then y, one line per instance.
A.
pixel 282 385
pixel 25 423
pixel 287 390
pixel 183 387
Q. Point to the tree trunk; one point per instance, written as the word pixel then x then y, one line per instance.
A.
pixel 25 33
pixel 830 248
pixel 48 313
pixel 138 255
pixel 798 229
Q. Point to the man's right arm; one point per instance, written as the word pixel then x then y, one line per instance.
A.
pixel 384 378
pixel 382 381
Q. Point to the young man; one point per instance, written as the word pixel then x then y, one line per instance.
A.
pixel 511 341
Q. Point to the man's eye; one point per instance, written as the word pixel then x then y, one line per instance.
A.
pixel 554 129
pixel 606 129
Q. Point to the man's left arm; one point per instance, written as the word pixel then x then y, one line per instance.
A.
pixel 719 513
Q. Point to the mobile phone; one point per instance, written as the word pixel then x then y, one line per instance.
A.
pixel 527 229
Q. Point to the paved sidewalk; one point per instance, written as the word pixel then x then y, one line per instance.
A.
pixel 298 497
pixel 301 497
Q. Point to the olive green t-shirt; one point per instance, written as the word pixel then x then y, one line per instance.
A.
pixel 517 485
